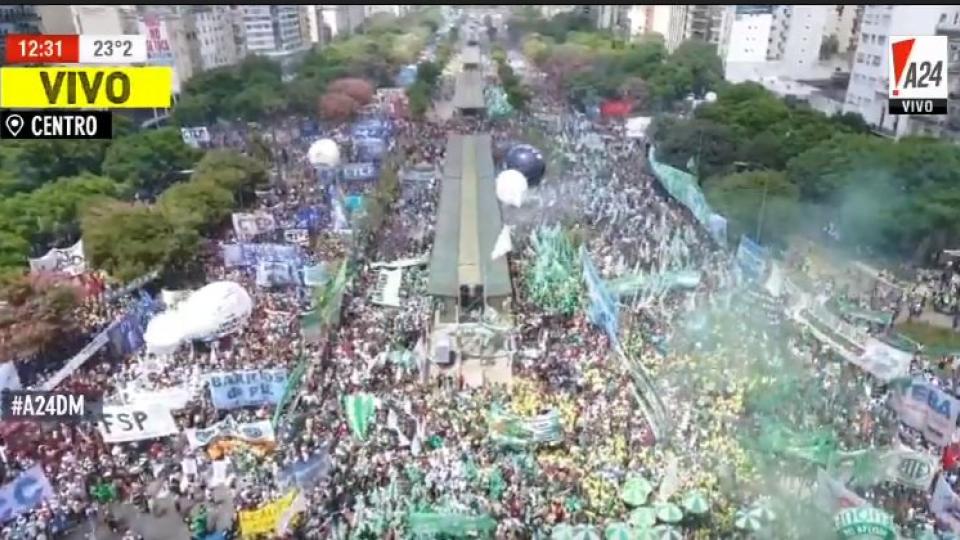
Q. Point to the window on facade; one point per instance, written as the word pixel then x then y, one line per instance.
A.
pixel 859 58
pixel 876 60
pixel 881 40
pixel 863 37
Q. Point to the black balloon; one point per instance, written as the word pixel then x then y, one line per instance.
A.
pixel 529 161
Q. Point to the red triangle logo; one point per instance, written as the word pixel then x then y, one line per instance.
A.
pixel 901 53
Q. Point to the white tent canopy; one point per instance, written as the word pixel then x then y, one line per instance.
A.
pixel 217 309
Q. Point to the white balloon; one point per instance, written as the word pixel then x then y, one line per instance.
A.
pixel 164 333
pixel 710 97
pixel 324 152
pixel 217 309
pixel 511 187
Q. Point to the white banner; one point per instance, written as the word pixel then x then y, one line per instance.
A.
pixel 832 496
pixel 195 136
pixel 387 291
pixel 174 397
pixel 945 505
pixel 883 361
pixel 300 237
pixel 70 261
pixel 247 226
pixel 126 423
pixel 910 468
pixel 403 263
pixel 926 408
pixel 9 378
pixel 261 431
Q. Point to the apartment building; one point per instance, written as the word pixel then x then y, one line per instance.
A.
pixel 275 31
pixel 867 90
pixel 211 30
pixel 745 34
pixel 649 19
pixel 169 43
pixel 696 22
pixel 331 20
pixel 397 10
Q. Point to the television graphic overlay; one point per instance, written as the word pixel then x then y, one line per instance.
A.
pixel 918 75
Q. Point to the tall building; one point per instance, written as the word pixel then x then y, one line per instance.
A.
pixel 104 19
pixel 844 24
pixel 867 91
pixel 275 31
pixel 649 19
pixel 168 32
pixel 211 32
pixel 694 22
pixel 341 19
pixel 56 19
pixel 746 33
pixel 610 17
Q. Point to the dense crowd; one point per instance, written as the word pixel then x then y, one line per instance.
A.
pixel 429 447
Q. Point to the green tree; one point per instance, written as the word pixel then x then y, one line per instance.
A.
pixel 150 160
pixel 238 174
pixel 128 240
pixel 197 205
pixel 757 200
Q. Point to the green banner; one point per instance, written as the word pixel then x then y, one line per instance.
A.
pixel 514 430
pixel 456 525
pixel 864 523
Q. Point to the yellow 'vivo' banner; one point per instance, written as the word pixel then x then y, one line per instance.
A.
pixel 86 87
pixel 264 520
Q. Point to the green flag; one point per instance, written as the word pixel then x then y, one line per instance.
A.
pixel 359 408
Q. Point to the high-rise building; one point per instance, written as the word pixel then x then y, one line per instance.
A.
pixel 275 31
pixel 104 19
pixel 397 10
pixel 867 91
pixel 211 32
pixel 647 19
pixel 694 22
pixel 168 32
pixel 341 19
pixel 746 33
pixel 16 20
pixel 56 19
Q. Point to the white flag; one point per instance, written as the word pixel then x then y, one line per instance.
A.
pixel 503 244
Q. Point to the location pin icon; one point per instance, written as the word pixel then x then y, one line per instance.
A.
pixel 14 124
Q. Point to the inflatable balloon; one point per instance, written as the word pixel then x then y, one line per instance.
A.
pixel 511 187
pixel 218 309
pixel 529 161
pixel 324 152
pixel 164 333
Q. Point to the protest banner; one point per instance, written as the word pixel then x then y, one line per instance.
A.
pixel 251 432
pixel 70 261
pixel 928 409
pixel 831 495
pixel 27 491
pixel 752 258
pixel 174 397
pixel 909 468
pixel 358 172
pixel 232 389
pixel 387 290
pixel 300 237
pixel 945 505
pixel 126 423
pixel 315 276
pixel 264 520
pixel 247 226
pixel 864 522
pixel 513 430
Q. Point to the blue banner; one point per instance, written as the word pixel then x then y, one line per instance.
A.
pixel 310 218
pixel 359 172
pixel 25 493
pixel 126 336
pixel 251 254
pixel 370 149
pixel 752 258
pixel 305 474
pixel 603 310
pixel 233 389
pixel 276 274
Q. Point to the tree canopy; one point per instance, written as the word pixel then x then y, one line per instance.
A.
pixel 763 158
pixel 591 65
